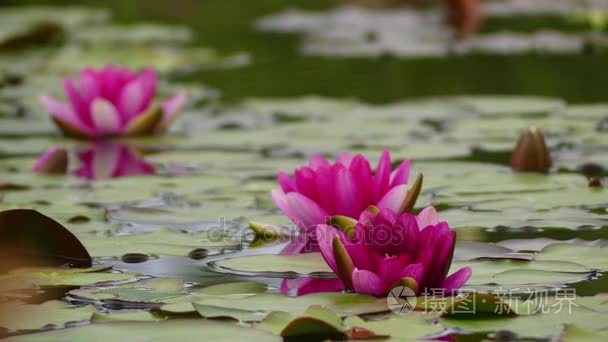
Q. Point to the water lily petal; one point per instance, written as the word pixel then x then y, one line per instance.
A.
pixel 171 108
pixel 362 174
pixel 287 183
pixel 66 118
pixel 368 283
pixel 325 236
pixel 89 86
pixel 131 99
pixel 382 176
pixel 105 117
pixel 344 159
pixel 308 214
pixel 394 199
pixel 427 217
pixel 401 175
pixel 78 105
pixel 280 200
pixel 317 162
pixel 414 271
pixel 347 195
pixel 305 183
pixel 457 279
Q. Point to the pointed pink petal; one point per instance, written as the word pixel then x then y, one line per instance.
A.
pixel 347 201
pixel 308 214
pixel 105 117
pixel 63 113
pixel 344 159
pixel 393 199
pixel 89 86
pixel 305 183
pixel 149 80
pixel 279 198
pixel 317 162
pixel 390 268
pixel 368 283
pixel 325 236
pixel 457 279
pixel 414 271
pixel 287 183
pixel 401 175
pixel 427 217
pixel 78 104
pixel 171 108
pixel 324 180
pixel 382 176
pixel 362 174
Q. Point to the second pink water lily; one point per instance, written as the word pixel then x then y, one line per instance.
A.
pixel 347 187
pixel 384 249
pixel 112 101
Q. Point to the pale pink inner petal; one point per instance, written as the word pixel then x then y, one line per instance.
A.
pixel 105 117
pixel 308 214
pixel 131 100
pixel 393 199
pixel 427 217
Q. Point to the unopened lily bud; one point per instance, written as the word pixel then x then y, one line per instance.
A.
pixel 53 161
pixel 531 153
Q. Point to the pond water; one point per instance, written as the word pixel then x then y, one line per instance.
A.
pixel 168 218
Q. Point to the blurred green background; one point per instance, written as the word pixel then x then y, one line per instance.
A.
pixel 277 69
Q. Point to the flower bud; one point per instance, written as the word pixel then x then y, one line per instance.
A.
pixel 531 153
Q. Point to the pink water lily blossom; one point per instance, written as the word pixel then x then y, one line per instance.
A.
pixel 386 249
pixel 347 187
pixel 112 101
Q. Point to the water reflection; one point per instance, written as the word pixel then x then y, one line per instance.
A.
pixel 100 160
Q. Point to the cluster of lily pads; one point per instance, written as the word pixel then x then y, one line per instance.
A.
pixel 192 244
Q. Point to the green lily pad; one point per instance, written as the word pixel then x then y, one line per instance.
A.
pixel 33 317
pixel 274 265
pixel 160 242
pixel 186 329
pixel 592 257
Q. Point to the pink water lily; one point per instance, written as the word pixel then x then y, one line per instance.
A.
pixel 112 101
pixel 99 161
pixel 346 187
pixel 384 249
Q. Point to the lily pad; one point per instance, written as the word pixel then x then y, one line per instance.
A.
pixel 287 266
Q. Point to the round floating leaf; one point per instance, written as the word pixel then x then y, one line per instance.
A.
pixel 171 330
pixel 33 317
pixel 592 257
pixel 274 265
